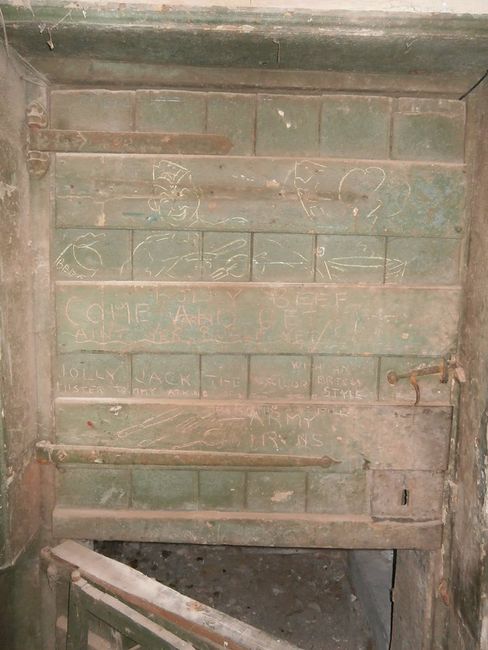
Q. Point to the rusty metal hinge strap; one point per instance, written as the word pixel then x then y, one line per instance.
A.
pixel 62 454
pixel 73 141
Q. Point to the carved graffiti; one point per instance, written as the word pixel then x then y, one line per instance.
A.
pixel 177 200
pixel 359 193
pixel 81 258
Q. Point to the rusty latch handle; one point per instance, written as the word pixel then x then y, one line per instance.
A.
pixel 442 369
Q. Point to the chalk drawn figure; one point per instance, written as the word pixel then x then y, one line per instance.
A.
pixel 81 259
pixel 355 194
pixel 395 270
pixel 178 200
pixel 168 256
pixel 229 261
pixel 180 429
pixel 283 257
pixel 337 268
pixel 253 428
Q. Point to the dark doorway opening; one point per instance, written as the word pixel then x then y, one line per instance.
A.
pixel 317 599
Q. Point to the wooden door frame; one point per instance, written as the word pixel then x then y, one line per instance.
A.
pixel 445 588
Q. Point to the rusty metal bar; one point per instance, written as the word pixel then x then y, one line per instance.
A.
pixel 63 454
pixel 70 141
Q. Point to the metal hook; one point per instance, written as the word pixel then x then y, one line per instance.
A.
pixel 416 387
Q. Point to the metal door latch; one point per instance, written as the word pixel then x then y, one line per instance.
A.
pixel 442 368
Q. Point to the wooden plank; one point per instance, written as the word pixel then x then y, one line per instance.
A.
pixel 408 495
pixel 416 588
pixel 91 485
pixel 222 489
pixel 105 74
pixel 92 109
pixel 246 529
pixel 380 437
pixel 301 196
pixel 185 255
pixel 95 641
pixel 77 634
pixel 172 111
pixel 428 129
pixel 86 255
pixel 251 317
pixel 75 141
pixel 175 376
pixel 103 375
pixel 287 125
pixel 123 618
pixel 148 595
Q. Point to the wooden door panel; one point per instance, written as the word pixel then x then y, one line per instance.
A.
pixel 253 318
pixel 378 436
pixel 225 323
pixel 260 194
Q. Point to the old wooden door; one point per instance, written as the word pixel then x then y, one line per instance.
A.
pixel 225 323
pixel 102 604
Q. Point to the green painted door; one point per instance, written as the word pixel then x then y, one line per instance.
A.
pixel 225 323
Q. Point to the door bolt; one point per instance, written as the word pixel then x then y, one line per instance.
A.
pixel 442 368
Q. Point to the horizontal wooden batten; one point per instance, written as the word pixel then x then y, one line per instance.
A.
pixel 245 529
pixel 331 403
pixel 79 141
pixel 378 437
pixel 256 319
pixel 63 454
pixel 210 257
pixel 87 72
pixel 261 194
pixel 82 482
pixel 235 286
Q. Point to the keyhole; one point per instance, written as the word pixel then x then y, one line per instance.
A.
pixel 405 497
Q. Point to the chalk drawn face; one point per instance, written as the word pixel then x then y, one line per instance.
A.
pixel 81 259
pixel 178 200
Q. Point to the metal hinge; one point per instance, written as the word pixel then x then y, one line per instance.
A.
pixel 37 161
